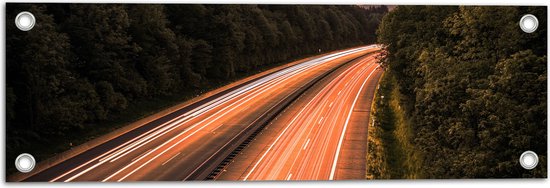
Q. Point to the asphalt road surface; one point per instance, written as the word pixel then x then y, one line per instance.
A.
pixel 176 145
pixel 307 141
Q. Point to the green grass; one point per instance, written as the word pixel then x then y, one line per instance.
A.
pixel 390 155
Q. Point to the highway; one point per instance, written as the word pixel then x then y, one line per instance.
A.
pixel 175 146
pixel 306 142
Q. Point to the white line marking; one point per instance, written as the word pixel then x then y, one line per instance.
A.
pixel 272 78
pixel 170 159
pixel 108 152
pixel 321 120
pixel 224 98
pixel 235 105
pixel 267 84
pixel 305 145
pixel 255 93
pixel 333 170
pixel 289 176
pixel 277 139
pixel 282 133
pixel 330 105
pixel 230 141
pixel 216 128
pixel 140 155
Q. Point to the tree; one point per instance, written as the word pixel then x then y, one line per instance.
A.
pixel 86 67
pixel 103 48
pixel 471 87
pixel 158 49
pixel 44 97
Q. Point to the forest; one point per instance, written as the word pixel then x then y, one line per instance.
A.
pixel 90 67
pixel 472 84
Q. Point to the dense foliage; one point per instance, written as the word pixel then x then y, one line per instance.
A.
pixel 85 64
pixel 474 85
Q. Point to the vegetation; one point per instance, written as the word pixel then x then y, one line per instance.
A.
pixel 88 68
pixel 391 155
pixel 472 84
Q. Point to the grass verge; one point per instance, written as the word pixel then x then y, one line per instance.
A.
pixel 390 153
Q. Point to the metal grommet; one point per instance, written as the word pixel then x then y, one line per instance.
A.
pixel 529 160
pixel 25 162
pixel 529 23
pixel 25 21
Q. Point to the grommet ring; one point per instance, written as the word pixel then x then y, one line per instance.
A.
pixel 25 162
pixel 529 23
pixel 529 160
pixel 25 21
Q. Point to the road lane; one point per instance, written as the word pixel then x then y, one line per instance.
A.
pixel 177 146
pixel 310 136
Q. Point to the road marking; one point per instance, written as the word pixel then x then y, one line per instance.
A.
pixel 321 120
pixel 201 109
pixel 273 80
pixel 305 145
pixel 280 135
pixel 268 84
pixel 245 108
pixel 330 105
pixel 216 128
pixel 170 159
pixel 333 170
pixel 110 151
pixel 289 176
pixel 235 105
pixel 306 159
pixel 284 131
pixel 216 102
pixel 230 141
pixel 140 155
pixel 339 92
pixel 106 153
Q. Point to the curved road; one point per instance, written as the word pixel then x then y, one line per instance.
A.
pixel 175 146
pixel 306 143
